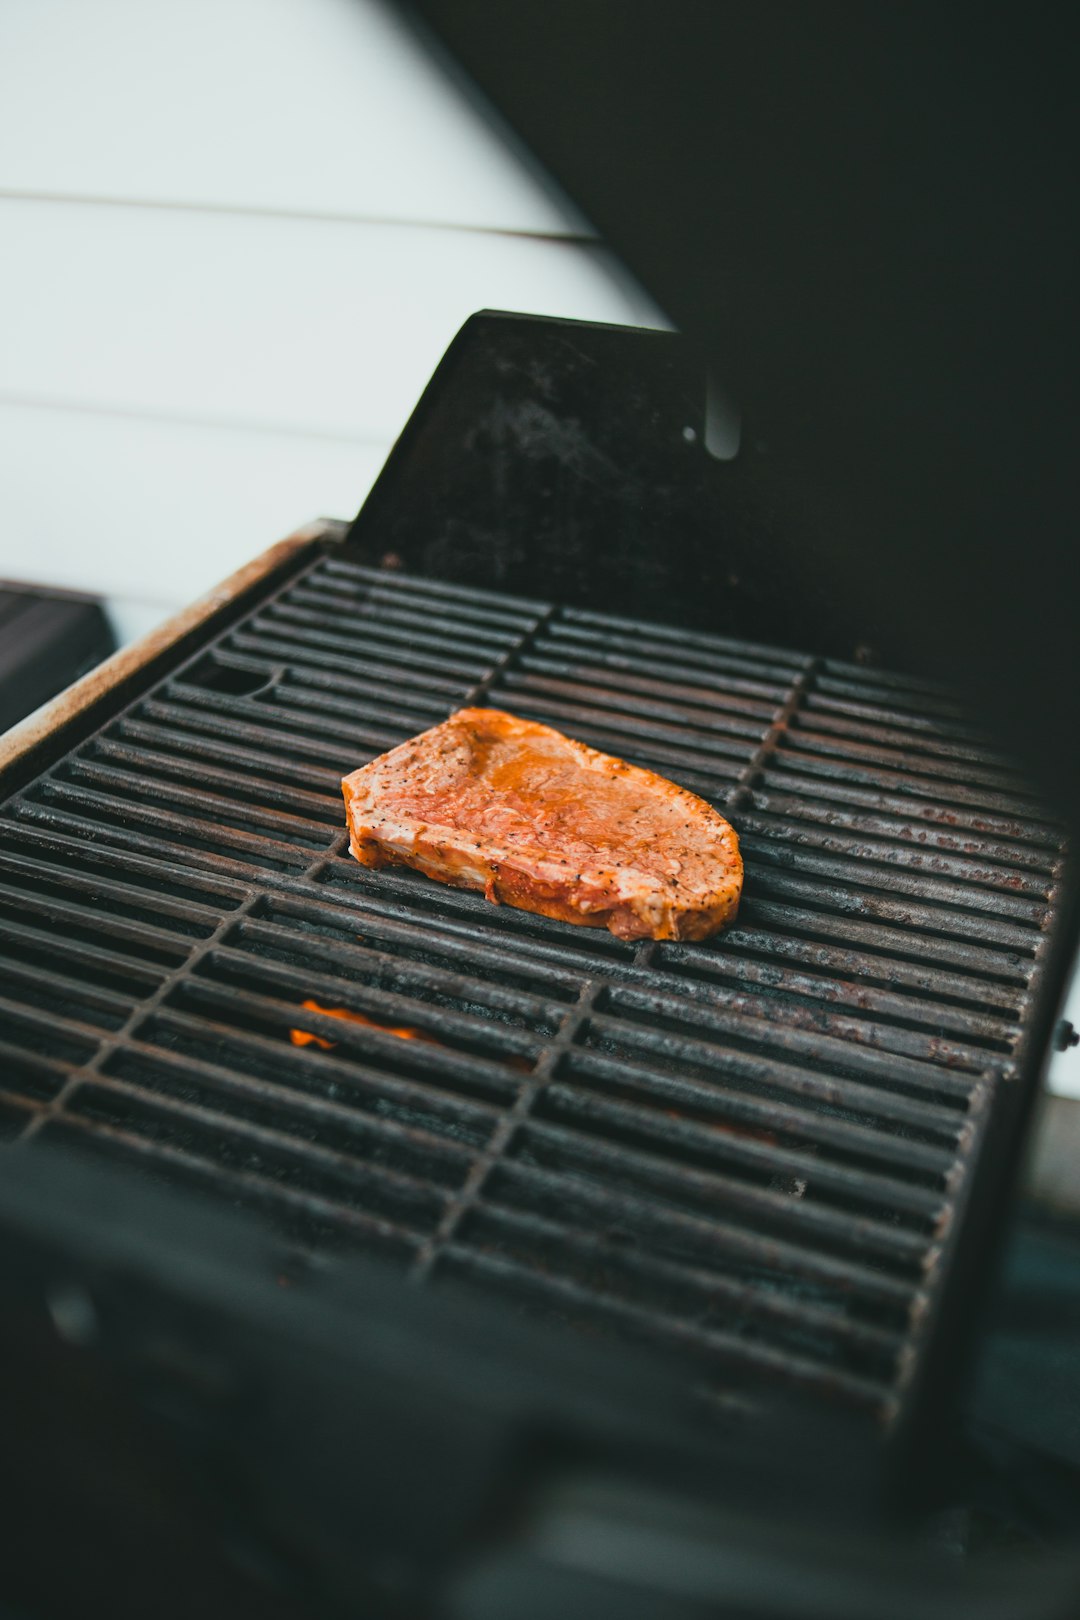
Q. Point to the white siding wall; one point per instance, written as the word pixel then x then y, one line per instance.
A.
pixel 235 238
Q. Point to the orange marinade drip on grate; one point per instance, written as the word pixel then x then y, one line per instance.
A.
pixel 303 1037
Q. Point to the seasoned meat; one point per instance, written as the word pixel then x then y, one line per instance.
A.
pixel 534 819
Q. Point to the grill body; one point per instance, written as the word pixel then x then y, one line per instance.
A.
pixel 777 1158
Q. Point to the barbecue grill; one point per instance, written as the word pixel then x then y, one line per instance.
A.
pixel 773 1160
pixel 365 1247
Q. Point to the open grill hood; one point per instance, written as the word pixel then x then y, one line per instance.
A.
pixel 864 218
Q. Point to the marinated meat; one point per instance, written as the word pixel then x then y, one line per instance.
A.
pixel 537 820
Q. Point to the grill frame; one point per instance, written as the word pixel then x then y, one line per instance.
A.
pixel 934 1348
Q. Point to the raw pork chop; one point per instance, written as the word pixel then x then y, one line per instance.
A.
pixel 534 819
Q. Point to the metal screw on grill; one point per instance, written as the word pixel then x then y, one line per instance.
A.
pixel 1066 1035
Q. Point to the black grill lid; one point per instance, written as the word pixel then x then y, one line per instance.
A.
pixel 864 215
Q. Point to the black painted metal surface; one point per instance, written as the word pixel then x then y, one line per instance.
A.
pixel 750 1152
pixel 569 459
pixel 862 216
pixel 47 640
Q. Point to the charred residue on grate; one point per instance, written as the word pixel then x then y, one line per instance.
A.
pixel 748 1152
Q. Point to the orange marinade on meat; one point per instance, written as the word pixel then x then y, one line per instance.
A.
pixel 539 821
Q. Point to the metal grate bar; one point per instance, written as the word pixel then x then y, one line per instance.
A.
pixel 37 878
pixel 779 811
pixel 440 1083
pixel 1006 881
pixel 199 719
pixel 919 783
pixel 722 698
pixel 243 788
pixel 92 962
pixel 501 668
pixel 917 995
pixel 649 699
pixel 447 1131
pixel 943 926
pixel 797 991
pixel 857 869
pixel 702 1214
pixel 709 1349
pixel 302 1216
pixel 766 1109
pixel 916 815
pixel 505 1131
pixel 268 767
pixel 766 748
pixel 847 925
pixel 949 764
pixel 690 1293
pixel 920 731
pixel 771 1030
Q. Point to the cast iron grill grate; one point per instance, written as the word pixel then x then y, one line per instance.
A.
pixel 749 1151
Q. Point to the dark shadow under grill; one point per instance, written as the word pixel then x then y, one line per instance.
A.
pixel 748 1151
